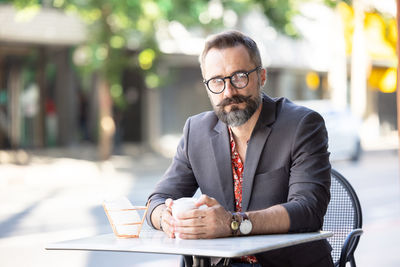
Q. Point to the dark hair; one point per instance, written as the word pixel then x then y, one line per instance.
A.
pixel 231 39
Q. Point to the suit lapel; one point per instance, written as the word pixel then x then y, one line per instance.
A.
pixel 222 153
pixel 255 147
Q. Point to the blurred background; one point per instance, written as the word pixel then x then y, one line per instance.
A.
pixel 94 95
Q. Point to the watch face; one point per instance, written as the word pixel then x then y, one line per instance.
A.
pixel 245 227
pixel 234 225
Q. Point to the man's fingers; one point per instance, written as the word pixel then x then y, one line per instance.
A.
pixel 211 222
pixel 191 222
pixel 169 202
pixel 191 232
pixel 167 222
pixel 168 228
pixel 206 200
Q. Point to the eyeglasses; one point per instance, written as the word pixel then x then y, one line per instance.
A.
pixel 239 80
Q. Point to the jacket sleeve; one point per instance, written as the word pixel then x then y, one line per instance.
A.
pixel 309 181
pixel 178 181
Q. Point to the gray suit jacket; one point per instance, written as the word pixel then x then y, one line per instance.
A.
pixel 286 163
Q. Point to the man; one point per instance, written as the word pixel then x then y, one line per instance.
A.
pixel 264 159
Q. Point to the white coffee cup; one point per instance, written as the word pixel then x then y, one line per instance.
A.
pixel 182 205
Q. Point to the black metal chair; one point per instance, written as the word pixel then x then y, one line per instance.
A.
pixel 344 219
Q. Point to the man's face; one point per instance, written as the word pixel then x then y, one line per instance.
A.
pixel 233 106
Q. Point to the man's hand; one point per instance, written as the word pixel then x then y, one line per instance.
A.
pixel 166 219
pixel 209 221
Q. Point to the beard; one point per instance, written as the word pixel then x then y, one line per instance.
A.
pixel 236 116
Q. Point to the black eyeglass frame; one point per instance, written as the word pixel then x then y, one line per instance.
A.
pixel 230 80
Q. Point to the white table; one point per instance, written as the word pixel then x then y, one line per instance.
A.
pixel 153 241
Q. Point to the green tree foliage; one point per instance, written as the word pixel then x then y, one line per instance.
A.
pixel 280 14
pixel 116 26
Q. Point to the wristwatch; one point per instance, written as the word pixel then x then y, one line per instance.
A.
pixel 241 224
pixel 245 226
pixel 235 224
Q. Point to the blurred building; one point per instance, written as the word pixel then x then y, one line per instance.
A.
pixel 42 102
pixel 38 85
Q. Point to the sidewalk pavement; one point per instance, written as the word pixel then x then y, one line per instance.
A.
pixel 57 196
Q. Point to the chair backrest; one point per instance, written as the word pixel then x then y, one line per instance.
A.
pixel 343 214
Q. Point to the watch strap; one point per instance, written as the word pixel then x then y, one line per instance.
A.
pixel 244 216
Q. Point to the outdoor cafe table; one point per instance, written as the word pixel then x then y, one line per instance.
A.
pixel 154 241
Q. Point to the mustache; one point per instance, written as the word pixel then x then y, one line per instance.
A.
pixel 236 99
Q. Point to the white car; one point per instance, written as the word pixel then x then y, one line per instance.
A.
pixel 343 129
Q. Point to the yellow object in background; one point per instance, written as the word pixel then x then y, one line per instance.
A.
pixel 312 80
pixel 146 58
pixel 378 45
pixel 383 79
pixel 389 81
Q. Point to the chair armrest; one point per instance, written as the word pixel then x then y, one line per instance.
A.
pixel 349 246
